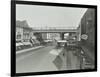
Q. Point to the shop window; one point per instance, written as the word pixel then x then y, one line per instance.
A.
pixel 19 36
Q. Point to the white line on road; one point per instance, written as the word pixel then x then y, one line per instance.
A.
pixel 56 51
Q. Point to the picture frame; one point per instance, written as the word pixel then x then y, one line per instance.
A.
pixel 46 4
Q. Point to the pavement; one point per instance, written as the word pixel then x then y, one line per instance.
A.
pixel 72 61
pixel 89 54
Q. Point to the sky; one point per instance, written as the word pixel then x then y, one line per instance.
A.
pixel 50 16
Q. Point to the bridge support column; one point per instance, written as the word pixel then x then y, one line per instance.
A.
pixel 62 36
pixel 44 36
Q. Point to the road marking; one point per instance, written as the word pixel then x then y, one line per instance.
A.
pixel 55 51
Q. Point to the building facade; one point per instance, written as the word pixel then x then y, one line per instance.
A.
pixel 88 30
pixel 19 33
pixel 23 31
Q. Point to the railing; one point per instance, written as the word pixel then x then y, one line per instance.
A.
pixel 55 30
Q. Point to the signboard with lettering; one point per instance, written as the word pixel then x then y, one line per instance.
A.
pixel 84 36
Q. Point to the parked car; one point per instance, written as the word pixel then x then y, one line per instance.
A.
pixel 19 45
pixel 36 42
pixel 61 43
pixel 48 42
pixel 27 44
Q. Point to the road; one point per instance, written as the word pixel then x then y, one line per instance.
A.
pixel 35 60
pixel 46 59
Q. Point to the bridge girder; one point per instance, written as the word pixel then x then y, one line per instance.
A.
pixel 55 31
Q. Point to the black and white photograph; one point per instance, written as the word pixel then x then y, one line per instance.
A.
pixel 54 38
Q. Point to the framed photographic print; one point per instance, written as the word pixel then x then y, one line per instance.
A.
pixel 52 38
